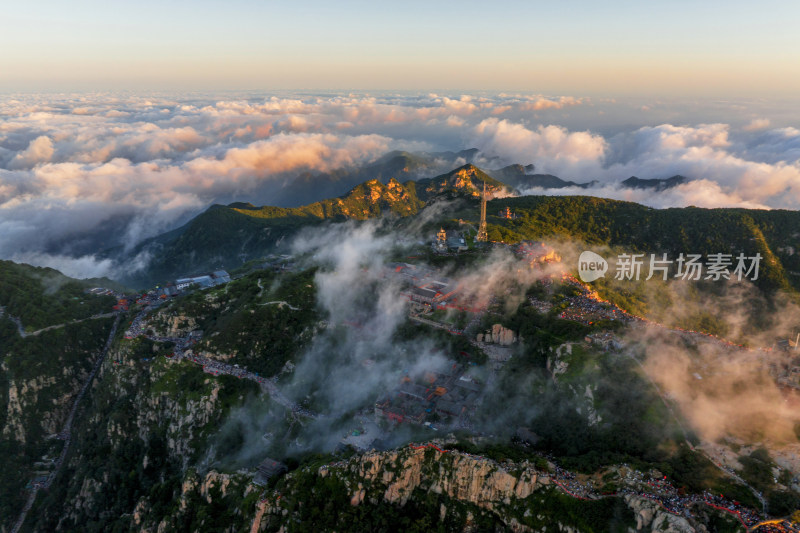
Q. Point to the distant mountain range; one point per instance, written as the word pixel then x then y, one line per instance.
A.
pixel 295 191
pixel 518 177
pixel 308 189
pixel 227 236
pixel 656 184
pixel 523 178
pixel 404 166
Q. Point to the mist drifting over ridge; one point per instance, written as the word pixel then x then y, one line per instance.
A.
pixel 130 167
pixel 719 390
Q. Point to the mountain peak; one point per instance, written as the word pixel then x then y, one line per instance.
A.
pixel 467 179
pixel 242 205
pixel 471 176
pixel 514 171
pixel 658 184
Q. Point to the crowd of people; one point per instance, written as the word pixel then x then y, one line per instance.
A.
pixel 138 324
pixel 656 489
pixel 659 490
pixel 587 310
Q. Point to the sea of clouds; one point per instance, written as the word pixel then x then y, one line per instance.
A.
pixel 127 167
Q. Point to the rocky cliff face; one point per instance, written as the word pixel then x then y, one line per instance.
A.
pixel 650 517
pixel 172 325
pixel 461 477
pixel 212 491
pixel 37 405
pixel 498 335
pixel 368 200
pixel 519 495
pixel 561 364
pixel 147 424
pixel 468 179
pixel 160 402
pixel 40 377
pixel 20 395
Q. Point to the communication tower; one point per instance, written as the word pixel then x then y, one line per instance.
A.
pixel 483 236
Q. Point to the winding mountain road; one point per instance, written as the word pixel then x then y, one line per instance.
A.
pixel 23 333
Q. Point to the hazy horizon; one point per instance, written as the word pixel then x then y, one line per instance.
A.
pixel 142 115
pixel 677 48
pixel 73 165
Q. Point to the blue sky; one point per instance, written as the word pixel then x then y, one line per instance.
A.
pixel 732 48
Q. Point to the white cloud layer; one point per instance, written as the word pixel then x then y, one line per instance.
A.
pixel 135 166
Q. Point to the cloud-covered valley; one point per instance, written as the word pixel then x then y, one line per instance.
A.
pixel 121 168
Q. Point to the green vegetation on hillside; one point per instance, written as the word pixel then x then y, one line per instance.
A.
pixel 322 503
pixel 225 237
pixel 466 180
pixel 367 200
pixel 451 345
pixel 149 421
pixel 44 373
pixel 261 327
pixel 42 297
pixel 642 229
